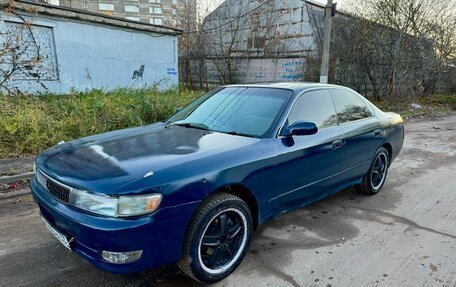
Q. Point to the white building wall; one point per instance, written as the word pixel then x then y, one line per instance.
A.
pixel 89 55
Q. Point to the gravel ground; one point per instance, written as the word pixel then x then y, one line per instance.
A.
pixel 404 236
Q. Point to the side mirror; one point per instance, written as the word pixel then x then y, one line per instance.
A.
pixel 302 129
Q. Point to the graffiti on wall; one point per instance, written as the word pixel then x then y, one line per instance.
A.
pixel 291 69
pixel 138 74
pixel 263 70
pixel 171 71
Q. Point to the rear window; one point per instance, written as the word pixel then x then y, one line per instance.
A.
pixel 349 106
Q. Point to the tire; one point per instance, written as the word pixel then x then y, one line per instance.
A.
pixel 217 238
pixel 375 178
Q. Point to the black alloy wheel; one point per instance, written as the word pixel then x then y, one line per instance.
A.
pixel 375 178
pixel 217 238
pixel 379 170
pixel 222 240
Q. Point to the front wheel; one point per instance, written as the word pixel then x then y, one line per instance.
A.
pixel 374 180
pixel 217 239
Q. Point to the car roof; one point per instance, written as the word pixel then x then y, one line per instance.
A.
pixel 295 86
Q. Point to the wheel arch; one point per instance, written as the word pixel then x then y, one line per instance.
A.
pixel 389 148
pixel 247 196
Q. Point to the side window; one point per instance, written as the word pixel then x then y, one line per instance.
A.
pixel 314 106
pixel 349 106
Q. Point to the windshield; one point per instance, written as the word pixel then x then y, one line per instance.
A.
pixel 235 110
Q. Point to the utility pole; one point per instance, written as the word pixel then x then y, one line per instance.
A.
pixel 324 71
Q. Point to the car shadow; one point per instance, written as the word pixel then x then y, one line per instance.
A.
pixel 324 223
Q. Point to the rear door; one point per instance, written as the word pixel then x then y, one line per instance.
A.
pixel 361 129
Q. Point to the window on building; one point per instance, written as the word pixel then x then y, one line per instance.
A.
pixel 174 11
pixel 156 21
pixel 256 42
pixel 105 8
pixel 155 1
pixel 349 106
pixel 174 2
pixel 133 18
pixel 131 8
pixel 85 5
pixel 35 58
pixel 155 10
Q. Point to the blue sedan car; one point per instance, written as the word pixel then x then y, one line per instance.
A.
pixel 191 190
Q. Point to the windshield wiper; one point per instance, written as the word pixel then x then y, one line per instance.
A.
pixel 193 125
pixel 234 133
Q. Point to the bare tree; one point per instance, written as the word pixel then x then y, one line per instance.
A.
pixel 265 31
pixel 226 29
pixel 395 48
pixel 239 31
pixel 188 23
pixel 193 40
pixel 21 56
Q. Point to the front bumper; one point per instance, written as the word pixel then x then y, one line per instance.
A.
pixel 159 235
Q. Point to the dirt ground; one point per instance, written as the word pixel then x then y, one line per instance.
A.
pixel 404 236
pixel 16 166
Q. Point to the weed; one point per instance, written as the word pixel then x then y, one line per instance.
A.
pixel 30 124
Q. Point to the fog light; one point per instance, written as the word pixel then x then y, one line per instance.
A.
pixel 121 257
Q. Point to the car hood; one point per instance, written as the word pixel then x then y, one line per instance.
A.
pixel 106 162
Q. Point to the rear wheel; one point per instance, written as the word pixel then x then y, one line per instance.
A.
pixel 217 239
pixel 374 180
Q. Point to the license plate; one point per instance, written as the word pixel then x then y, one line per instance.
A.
pixel 60 237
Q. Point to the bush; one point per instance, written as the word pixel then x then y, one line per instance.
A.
pixel 30 124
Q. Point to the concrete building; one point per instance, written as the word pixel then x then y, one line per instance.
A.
pixel 254 41
pixel 158 12
pixel 60 49
pixel 249 41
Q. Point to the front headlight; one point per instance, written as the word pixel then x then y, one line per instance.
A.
pixel 138 204
pixel 122 206
pixel 95 203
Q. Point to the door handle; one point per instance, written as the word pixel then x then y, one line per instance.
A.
pixel 337 144
pixel 377 133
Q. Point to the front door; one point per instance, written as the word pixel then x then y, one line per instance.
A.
pixel 308 167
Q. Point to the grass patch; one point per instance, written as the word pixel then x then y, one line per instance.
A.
pixel 30 124
pixel 432 105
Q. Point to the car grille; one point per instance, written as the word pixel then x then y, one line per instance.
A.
pixel 57 190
